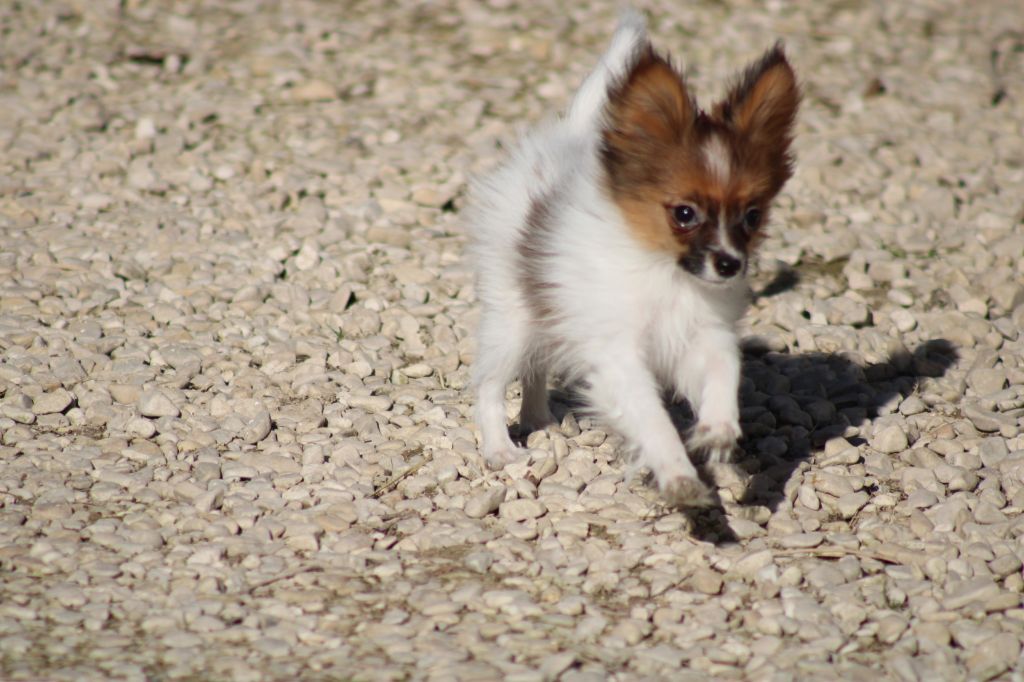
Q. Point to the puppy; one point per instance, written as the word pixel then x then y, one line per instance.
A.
pixel 611 250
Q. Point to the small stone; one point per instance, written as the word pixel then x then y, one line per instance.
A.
pixel 231 471
pixel 849 505
pixel 417 371
pixel 17 413
pixel 921 499
pixel 479 560
pixel 187 490
pixel 832 484
pixel 934 634
pixel 272 647
pixel 54 511
pixel 994 656
pixel 986 381
pixel 967 591
pixel 834 446
pixel 313 90
pixel 887 270
pixel 371 403
pixel 206 556
pixel 257 425
pixel 824 576
pixel 138 426
pixel 987 420
pixel 387 234
pixel 126 394
pixel 155 403
pixel 912 405
pixel 890 628
pixel 1005 565
pixel 224 172
pixel 278 463
pixel 969 633
pixel 993 451
pixel 572 605
pixel 706 581
pixel 182 640
pixel 973 305
pixel 849 613
pixel 141 176
pixel 890 440
pixel 96 201
pixel 949 515
pixel 800 540
pixel 209 500
pixel 485 502
pixel 901 297
pixel 904 320
pixel 850 312
pixel 145 128
pixel 307 258
pixel 849 455
pixel 661 657
pixel 522 509
pixel 553 665
pixel 429 196
pixel 745 529
pixel 52 403
pixel 859 281
pixel 987 513
pixel 748 565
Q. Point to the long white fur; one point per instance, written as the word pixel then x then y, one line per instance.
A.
pixel 624 319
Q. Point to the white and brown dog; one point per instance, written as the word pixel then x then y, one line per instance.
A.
pixel 612 249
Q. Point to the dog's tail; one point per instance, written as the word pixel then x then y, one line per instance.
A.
pixel 628 44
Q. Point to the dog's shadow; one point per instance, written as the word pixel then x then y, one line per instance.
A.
pixel 792 403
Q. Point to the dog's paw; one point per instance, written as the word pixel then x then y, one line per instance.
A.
pixel 498 459
pixel 714 443
pixel 685 492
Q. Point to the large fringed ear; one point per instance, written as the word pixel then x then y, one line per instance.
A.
pixel 762 106
pixel 651 104
pixel 649 110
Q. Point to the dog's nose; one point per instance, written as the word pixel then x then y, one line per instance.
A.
pixel 726 265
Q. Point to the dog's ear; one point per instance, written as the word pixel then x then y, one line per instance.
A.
pixel 762 106
pixel 651 105
pixel 648 112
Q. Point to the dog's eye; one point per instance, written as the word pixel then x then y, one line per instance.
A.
pixel 685 216
pixel 752 219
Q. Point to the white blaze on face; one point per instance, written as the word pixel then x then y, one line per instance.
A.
pixel 716 156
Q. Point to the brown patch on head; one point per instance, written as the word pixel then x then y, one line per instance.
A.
pixel 646 218
pixel 660 151
pixel 650 120
pixel 648 113
pixel 652 106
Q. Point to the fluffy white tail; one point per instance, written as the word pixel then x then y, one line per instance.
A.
pixel 627 44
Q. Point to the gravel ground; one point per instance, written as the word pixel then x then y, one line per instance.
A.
pixel 236 325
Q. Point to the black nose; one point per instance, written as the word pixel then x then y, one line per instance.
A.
pixel 726 265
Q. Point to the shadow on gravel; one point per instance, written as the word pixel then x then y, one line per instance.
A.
pixel 791 404
pixel 784 280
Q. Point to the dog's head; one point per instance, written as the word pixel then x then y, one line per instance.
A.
pixel 697 184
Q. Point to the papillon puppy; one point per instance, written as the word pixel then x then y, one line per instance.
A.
pixel 611 251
